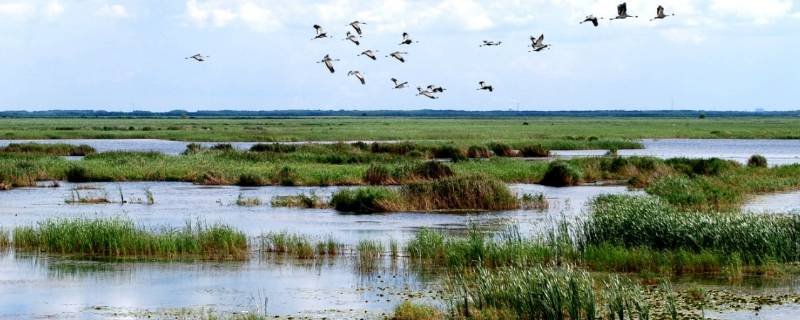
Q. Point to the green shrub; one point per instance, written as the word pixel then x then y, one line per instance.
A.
pixel 757 161
pixel 561 174
pixel 706 167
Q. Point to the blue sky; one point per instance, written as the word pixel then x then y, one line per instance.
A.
pixel 125 55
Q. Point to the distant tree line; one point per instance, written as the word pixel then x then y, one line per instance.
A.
pixel 424 113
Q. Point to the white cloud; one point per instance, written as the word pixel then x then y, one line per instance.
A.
pixel 761 11
pixel 16 10
pixel 114 11
pixel 223 13
pixel 53 9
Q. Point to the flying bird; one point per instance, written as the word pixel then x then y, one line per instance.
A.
pixel 660 14
pixel 320 33
pixel 537 44
pixel 352 38
pixel 357 26
pixel 398 84
pixel 369 54
pixel 198 57
pixel 488 43
pixel 434 88
pixel 426 93
pixel 398 55
pixel 592 19
pixel 358 75
pixel 485 86
pixel 328 62
pixel 622 12
pixel 407 39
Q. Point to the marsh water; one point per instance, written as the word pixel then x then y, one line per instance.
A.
pixel 41 286
pixel 777 152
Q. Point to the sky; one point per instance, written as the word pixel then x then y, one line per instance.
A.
pixel 129 55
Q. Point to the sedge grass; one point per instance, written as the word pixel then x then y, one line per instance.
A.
pixel 121 238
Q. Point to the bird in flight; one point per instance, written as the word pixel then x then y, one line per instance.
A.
pixel 358 75
pixel 369 54
pixel 398 55
pixel 488 43
pixel 660 14
pixel 537 44
pixel 485 86
pixel 320 33
pixel 198 57
pixel 357 26
pixel 352 38
pixel 434 88
pixel 328 62
pixel 398 84
pixel 426 93
pixel 592 19
pixel 622 12
pixel 407 39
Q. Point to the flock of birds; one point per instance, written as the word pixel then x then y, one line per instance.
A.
pixel 432 91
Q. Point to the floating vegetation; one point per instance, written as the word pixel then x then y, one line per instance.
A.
pixel 413 311
pixel 77 198
pixel 300 201
pixel 243 201
pixel 121 238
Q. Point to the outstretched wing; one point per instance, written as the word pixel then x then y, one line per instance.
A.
pixel 405 36
pixel 622 9
pixel 329 65
pixel 660 11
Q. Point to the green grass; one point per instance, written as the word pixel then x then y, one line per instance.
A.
pixel 121 238
pixel 464 132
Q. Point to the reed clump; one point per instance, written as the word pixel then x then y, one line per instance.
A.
pixel 534 202
pixel 634 222
pixel 121 238
pixel 475 192
pixel 57 149
pixel 544 293
pixel 252 180
pixel 561 174
pixel 366 200
pixel 479 152
pixel 298 246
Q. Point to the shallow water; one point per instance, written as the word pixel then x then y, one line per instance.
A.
pixel 48 287
pixel 42 286
pixel 777 152
pixel 176 203
pixel 781 312
pixel 785 202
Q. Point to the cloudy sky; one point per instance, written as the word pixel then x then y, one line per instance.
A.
pixel 129 54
